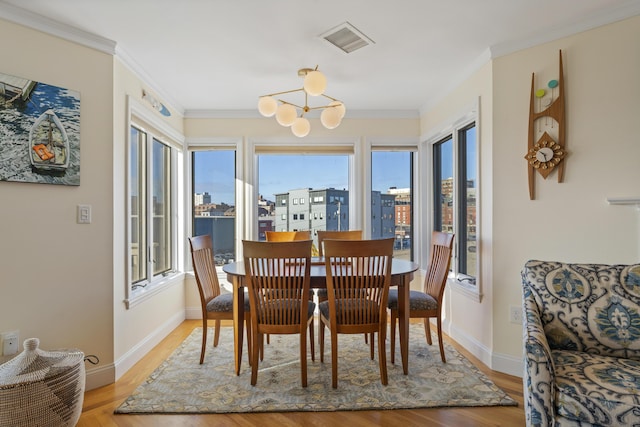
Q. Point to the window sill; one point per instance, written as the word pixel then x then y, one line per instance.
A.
pixel 470 291
pixel 143 294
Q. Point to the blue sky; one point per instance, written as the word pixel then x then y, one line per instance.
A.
pixel 280 173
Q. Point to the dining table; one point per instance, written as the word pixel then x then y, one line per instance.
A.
pixel 402 272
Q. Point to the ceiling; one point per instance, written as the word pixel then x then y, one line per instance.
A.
pixel 220 55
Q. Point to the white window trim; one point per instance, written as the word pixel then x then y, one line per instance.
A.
pixel 206 144
pixel 143 118
pixel 291 145
pixel 470 114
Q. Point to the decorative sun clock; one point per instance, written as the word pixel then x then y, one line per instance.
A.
pixel 545 153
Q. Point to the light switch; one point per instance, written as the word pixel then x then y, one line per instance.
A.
pixel 84 214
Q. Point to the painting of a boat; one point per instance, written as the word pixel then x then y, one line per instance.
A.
pixel 48 143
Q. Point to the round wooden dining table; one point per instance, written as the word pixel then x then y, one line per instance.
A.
pixel 402 272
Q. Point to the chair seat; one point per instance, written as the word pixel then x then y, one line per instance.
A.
pixel 344 306
pixel 592 389
pixel 224 303
pixel 417 301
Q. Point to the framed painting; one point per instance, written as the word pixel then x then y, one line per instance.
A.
pixel 39 132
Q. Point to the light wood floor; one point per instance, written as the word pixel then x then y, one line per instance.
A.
pixel 100 403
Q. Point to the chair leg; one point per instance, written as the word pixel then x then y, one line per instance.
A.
pixel 321 339
pixel 303 357
pixel 394 317
pixel 312 341
pixel 440 340
pixel 427 330
pixel 257 340
pixel 382 354
pixel 204 339
pixel 371 345
pixel 247 321
pixel 334 359
pixel 216 334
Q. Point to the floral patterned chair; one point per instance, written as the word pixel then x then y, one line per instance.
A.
pixel 581 344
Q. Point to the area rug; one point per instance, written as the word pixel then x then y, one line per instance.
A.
pixel 180 385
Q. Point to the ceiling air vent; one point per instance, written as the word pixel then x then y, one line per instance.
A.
pixel 346 37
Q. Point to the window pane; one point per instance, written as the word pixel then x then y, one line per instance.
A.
pixel 286 182
pixel 161 187
pixel 391 199
pixel 443 185
pixel 214 200
pixel 137 193
pixel 468 167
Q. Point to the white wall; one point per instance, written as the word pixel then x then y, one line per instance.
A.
pixel 57 282
pixel 569 221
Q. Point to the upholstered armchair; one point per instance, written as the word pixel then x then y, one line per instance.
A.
pixel 581 344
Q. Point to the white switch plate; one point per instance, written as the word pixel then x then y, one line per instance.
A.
pixel 10 343
pixel 84 214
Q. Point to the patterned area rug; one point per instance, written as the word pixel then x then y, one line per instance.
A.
pixel 181 385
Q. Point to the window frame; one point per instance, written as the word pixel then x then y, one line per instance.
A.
pixel 458 281
pixel 144 120
pixel 398 145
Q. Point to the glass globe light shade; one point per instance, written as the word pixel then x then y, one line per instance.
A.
pixel 286 114
pixel 267 106
pixel 330 118
pixel 301 127
pixel 315 83
pixel 340 107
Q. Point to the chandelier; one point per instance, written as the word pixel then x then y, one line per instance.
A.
pixel 291 115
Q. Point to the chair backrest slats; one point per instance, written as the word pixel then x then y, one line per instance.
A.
pixel 358 278
pixel 439 262
pixel 204 267
pixel 277 276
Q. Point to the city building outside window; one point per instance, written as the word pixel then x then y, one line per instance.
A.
pixel 392 198
pixel 455 185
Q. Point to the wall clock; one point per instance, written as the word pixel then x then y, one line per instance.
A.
pixel 546 143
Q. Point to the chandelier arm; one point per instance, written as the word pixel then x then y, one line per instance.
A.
pixel 291 103
pixel 331 98
pixel 321 107
pixel 282 93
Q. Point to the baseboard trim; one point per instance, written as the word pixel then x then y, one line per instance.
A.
pixel 504 363
pixel 110 373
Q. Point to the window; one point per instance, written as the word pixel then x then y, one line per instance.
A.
pixel 455 185
pixel 391 197
pixel 152 232
pixel 214 172
pixel 302 177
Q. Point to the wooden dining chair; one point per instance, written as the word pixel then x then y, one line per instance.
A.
pixel 278 275
pixel 358 278
pixel 215 306
pixel 428 303
pixel 287 236
pixel 336 235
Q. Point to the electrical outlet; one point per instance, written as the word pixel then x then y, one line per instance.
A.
pixel 10 343
pixel 515 314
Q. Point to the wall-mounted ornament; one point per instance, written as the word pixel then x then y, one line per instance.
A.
pixel 546 145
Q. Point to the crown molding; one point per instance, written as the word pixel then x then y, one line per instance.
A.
pixel 49 26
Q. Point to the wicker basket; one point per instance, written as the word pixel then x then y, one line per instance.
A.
pixel 42 388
